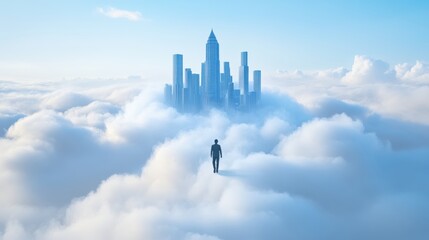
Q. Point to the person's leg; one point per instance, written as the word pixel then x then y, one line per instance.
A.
pixel 214 166
pixel 217 164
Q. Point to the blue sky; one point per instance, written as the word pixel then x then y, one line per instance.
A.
pixel 55 40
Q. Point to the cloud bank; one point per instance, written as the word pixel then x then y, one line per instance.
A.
pixel 326 161
pixel 397 92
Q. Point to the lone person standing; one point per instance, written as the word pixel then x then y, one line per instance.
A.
pixel 215 153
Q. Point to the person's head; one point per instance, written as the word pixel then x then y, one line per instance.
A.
pixel 216 141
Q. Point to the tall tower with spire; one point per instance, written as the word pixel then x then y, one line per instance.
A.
pixel 212 72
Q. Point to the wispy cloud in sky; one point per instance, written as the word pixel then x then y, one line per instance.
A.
pixel 120 13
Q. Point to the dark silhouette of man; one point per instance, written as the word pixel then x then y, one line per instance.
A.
pixel 215 153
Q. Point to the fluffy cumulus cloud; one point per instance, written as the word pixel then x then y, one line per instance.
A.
pixel 367 70
pixel 396 92
pixel 114 162
pixel 419 72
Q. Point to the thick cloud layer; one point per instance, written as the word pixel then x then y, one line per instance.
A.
pixel 113 162
pixel 397 92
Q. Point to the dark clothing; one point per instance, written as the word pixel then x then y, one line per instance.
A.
pixel 215 152
pixel 215 164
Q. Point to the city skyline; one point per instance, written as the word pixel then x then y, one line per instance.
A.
pixel 216 89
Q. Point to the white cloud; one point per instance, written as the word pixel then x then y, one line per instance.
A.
pixel 323 75
pixel 398 93
pixel 340 131
pixel 367 70
pixel 120 13
pixel 63 100
pixel 177 196
pixel 108 162
pixel 419 72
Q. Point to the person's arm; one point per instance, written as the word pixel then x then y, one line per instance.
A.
pixel 211 152
pixel 220 150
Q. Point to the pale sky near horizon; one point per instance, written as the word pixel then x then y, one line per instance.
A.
pixel 56 40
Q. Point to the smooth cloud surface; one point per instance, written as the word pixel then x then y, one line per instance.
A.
pixel 113 162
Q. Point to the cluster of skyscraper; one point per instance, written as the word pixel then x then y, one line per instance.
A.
pixel 216 89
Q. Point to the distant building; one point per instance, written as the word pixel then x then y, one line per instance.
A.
pixel 230 100
pixel 225 81
pixel 195 96
pixel 257 84
pixel 212 72
pixel 215 89
pixel 178 81
pixel 251 100
pixel 203 98
pixel 236 98
pixel 187 91
pixel 168 94
pixel 244 79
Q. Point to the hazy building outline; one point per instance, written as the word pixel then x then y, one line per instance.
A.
pixel 178 81
pixel 212 72
pixel 215 89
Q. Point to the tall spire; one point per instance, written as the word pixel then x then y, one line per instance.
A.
pixel 212 72
pixel 212 36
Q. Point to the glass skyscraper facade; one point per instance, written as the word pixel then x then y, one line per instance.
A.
pixel 178 81
pixel 212 72
pixel 216 89
pixel 257 84
pixel 244 80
